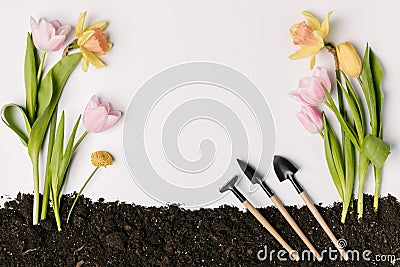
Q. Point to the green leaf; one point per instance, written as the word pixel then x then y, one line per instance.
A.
pixel 47 182
pixel 330 159
pixel 31 82
pixel 376 150
pixel 59 75
pixel 352 92
pixel 350 173
pixel 57 155
pixel 348 128
pixel 62 171
pixel 354 111
pixel 377 75
pixel 49 95
pixel 7 116
pixel 368 87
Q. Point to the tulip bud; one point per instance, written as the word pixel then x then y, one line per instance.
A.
pixel 311 119
pixel 349 60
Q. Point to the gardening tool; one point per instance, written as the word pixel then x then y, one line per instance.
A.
pixel 256 178
pixel 285 170
pixel 231 185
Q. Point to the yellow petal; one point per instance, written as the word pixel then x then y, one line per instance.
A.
pixel 313 22
pixel 292 30
pixel 312 61
pixel 317 35
pixel 80 23
pixel 102 25
pixel 325 25
pixel 93 59
pixel 84 37
pixel 84 64
pixel 303 52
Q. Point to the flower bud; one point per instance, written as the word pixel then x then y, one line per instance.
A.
pixel 349 60
pixel 311 119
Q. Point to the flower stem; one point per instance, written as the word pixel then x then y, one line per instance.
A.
pixel 80 140
pixel 363 164
pixel 72 46
pixel 40 70
pixel 56 212
pixel 36 196
pixel 80 192
pixel 378 175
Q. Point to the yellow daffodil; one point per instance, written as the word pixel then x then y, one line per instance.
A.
pixel 310 36
pixel 92 42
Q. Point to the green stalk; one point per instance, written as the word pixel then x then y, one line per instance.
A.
pixel 80 140
pixel 46 190
pixel 378 175
pixel 56 211
pixel 36 195
pixel 363 164
pixel 40 70
pixel 80 192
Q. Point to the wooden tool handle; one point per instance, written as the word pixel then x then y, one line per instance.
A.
pixel 294 225
pixel 322 222
pixel 270 229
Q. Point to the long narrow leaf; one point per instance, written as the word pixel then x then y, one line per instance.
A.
pixel 329 158
pixel 356 98
pixel 336 151
pixel 31 82
pixel 59 75
pixel 377 75
pixel 57 155
pixel 10 121
pixel 50 88
pixel 67 157
pixel 350 163
pixel 348 128
pixel 354 112
pixel 47 181
pixel 369 90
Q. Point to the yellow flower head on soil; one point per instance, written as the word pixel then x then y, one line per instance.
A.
pixel 92 42
pixel 101 159
pixel 309 36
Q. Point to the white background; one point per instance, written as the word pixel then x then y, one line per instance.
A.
pixel 149 36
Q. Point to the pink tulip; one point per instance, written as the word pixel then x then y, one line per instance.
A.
pixel 48 36
pixel 310 90
pixel 311 119
pixel 99 116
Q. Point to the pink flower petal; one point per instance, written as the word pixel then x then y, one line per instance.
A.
pixel 307 123
pixel 112 119
pixel 63 30
pixel 93 102
pixel 55 43
pixel 304 82
pixel 95 120
pixel 106 105
pixel 56 24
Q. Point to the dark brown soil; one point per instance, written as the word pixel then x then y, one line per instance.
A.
pixel 119 234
